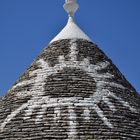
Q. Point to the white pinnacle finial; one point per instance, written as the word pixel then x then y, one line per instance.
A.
pixel 71 30
pixel 71 7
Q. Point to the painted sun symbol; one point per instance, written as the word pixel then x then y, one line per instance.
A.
pixel 37 100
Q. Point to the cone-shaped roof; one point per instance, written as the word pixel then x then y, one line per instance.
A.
pixel 71 91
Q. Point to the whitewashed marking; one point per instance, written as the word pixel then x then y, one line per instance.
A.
pixel 102 116
pixel 125 104
pixel 40 76
pixel 57 112
pixel 40 115
pixel 110 105
pixel 12 115
pixel 86 114
pixel 72 123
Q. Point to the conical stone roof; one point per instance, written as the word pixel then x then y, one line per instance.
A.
pixel 71 91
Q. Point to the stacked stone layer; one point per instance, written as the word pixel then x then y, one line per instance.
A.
pixel 71 91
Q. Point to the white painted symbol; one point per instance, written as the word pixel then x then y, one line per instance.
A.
pixel 37 100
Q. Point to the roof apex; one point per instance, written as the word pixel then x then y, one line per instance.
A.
pixel 71 30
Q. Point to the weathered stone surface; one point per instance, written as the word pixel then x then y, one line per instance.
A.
pixel 71 91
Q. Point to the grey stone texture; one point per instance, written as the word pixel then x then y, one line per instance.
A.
pixel 72 91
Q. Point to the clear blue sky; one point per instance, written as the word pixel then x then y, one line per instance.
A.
pixel 27 26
